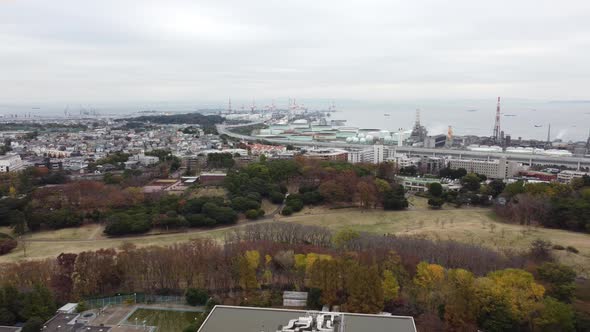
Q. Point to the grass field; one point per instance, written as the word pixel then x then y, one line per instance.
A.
pixel 164 320
pixel 51 248
pixel 469 225
pixel 45 244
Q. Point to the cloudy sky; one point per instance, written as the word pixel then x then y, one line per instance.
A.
pixel 142 50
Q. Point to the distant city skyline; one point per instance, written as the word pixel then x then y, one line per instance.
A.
pixel 108 51
pixel 527 118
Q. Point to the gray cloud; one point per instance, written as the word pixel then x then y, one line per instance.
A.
pixel 142 50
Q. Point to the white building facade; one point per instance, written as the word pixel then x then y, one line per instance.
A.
pixel 11 163
pixel 493 169
pixel 567 176
pixel 375 154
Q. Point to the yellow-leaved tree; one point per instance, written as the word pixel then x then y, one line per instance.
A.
pixel 247 268
pixel 514 288
pixel 460 300
pixel 390 286
pixel 428 281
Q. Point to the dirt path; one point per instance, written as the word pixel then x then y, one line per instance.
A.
pixel 96 233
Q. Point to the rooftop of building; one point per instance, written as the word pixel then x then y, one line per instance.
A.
pixel 325 151
pixel 246 319
pixel 68 323
pixel 9 156
pixel 419 180
pixel 9 329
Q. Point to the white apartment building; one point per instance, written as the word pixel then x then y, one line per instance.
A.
pixel 11 163
pixel 402 160
pixel 145 160
pixel 567 176
pixel 493 169
pixel 375 154
pixel 355 157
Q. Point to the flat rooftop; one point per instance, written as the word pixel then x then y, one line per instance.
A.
pixel 9 329
pixel 246 319
pixel 67 323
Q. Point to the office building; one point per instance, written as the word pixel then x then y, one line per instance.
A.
pixel 567 176
pixel 493 169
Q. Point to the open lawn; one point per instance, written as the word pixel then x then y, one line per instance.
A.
pixel 44 246
pixel 86 232
pixel 164 320
pixel 470 225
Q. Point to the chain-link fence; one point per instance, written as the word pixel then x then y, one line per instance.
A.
pixel 135 299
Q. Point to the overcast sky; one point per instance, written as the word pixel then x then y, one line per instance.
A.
pixel 141 50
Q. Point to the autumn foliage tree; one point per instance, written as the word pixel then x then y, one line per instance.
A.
pixel 480 289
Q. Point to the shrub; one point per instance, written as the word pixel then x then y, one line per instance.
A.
pixel 435 189
pixel 276 197
pixel 295 202
pixel 283 189
pixel 34 324
pixel 394 200
pixel 196 296
pixel 223 215
pixel 287 211
pixel 57 219
pixel 314 299
pixel 572 249
pixel 252 214
pixel 436 202
pixel 82 306
pixel 312 197
pixel 7 243
pixel 123 223
pixel 244 204
pixel 211 303
pixel 200 220
pixel 540 250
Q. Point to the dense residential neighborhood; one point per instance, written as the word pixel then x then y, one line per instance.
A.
pixel 298 228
